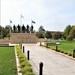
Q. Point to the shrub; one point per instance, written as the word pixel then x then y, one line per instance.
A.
pixel 65 52
pixel 25 66
pixel 70 54
pixel 26 69
pixel 61 51
pixel 22 59
pixel 58 50
pixel 22 64
pixel 21 56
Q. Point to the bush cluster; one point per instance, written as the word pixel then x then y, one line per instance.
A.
pixel 26 68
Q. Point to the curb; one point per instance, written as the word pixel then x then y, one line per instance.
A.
pixel 17 63
pixel 61 54
pixel 65 55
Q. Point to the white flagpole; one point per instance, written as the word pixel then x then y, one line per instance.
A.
pixel 31 22
pixel 31 25
pixel 21 22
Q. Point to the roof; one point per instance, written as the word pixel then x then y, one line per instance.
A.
pixel 54 32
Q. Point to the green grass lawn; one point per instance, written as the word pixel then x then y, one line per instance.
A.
pixel 7 61
pixel 66 47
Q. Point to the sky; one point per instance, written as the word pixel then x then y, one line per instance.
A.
pixel 53 15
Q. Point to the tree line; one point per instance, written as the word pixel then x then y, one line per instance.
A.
pixel 42 33
pixel 67 34
pixel 4 31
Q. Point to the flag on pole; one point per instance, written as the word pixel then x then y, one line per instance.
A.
pixel 33 22
pixel 22 16
pixel 10 21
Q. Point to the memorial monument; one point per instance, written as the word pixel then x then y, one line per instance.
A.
pixel 23 34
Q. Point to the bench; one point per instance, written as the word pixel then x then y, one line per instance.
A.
pixel 52 44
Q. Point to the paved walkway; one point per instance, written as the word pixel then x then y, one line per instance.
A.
pixel 54 64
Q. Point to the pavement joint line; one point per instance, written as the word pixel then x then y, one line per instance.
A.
pixel 31 61
pixel 34 64
pixel 36 68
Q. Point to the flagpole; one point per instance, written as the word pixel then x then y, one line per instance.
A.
pixel 31 22
pixel 21 22
pixel 31 25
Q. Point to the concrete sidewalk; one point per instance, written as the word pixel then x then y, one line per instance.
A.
pixel 54 64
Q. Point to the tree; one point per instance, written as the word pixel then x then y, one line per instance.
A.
pixel 58 35
pixel 67 31
pixel 41 29
pixel 39 35
pixel 55 36
pixel 4 32
pixel 8 27
pixel 1 35
pixel 72 33
pixel 48 35
pixel 0 29
pixel 70 38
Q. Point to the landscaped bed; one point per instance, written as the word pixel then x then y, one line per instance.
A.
pixel 7 61
pixel 65 47
pixel 25 66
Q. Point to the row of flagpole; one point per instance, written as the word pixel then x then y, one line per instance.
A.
pixel 21 16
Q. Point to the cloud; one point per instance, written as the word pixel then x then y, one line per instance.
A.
pixel 52 14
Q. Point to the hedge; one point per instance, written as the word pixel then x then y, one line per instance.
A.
pixel 26 68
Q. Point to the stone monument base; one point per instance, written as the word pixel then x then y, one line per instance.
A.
pixel 23 38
